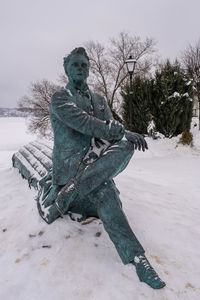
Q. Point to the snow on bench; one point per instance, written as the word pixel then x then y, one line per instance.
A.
pixel 33 161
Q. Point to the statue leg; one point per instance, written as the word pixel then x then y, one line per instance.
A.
pixel 109 209
pixel 105 203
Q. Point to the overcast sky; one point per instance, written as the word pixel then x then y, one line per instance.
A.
pixel 36 34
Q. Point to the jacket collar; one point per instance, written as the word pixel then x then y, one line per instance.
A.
pixel 74 91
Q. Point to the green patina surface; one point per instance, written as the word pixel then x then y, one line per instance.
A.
pixel 88 149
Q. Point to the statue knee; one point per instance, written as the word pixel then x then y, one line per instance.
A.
pixel 106 193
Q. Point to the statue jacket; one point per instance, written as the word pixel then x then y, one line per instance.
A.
pixel 76 117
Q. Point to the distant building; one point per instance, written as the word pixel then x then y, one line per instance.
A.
pixel 12 112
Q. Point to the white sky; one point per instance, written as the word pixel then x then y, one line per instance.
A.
pixel 36 34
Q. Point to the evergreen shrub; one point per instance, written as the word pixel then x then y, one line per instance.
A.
pixel 186 138
pixel 165 100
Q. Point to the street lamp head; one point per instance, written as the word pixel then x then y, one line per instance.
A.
pixel 130 64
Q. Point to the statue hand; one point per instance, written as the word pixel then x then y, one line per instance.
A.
pixel 116 129
pixel 137 139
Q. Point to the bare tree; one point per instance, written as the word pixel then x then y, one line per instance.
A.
pixel 191 62
pixel 108 68
pixel 37 103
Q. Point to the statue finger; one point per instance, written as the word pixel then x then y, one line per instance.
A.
pixel 143 143
pixel 142 146
pixel 146 145
pixel 140 142
pixel 139 145
pixel 135 145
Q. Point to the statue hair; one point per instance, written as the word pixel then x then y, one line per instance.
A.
pixel 76 51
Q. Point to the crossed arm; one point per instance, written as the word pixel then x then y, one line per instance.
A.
pixel 68 112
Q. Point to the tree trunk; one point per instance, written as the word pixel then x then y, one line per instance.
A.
pixel 199 113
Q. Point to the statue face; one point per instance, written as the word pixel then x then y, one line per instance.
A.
pixel 78 69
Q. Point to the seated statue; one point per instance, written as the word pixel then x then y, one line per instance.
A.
pixel 90 149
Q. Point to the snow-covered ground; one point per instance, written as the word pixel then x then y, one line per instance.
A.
pixel 71 261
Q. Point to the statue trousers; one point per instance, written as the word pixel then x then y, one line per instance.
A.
pixel 98 196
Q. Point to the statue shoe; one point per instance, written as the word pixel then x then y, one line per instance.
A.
pixel 48 214
pixel 60 207
pixel 66 196
pixel 146 273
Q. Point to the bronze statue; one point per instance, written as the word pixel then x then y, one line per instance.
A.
pixel 90 149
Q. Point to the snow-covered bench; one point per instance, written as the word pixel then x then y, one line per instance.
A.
pixel 33 161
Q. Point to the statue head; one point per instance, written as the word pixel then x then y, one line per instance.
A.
pixel 76 66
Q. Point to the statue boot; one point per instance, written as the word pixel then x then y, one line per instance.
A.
pixel 146 273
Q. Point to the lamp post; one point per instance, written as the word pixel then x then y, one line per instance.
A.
pixel 130 64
